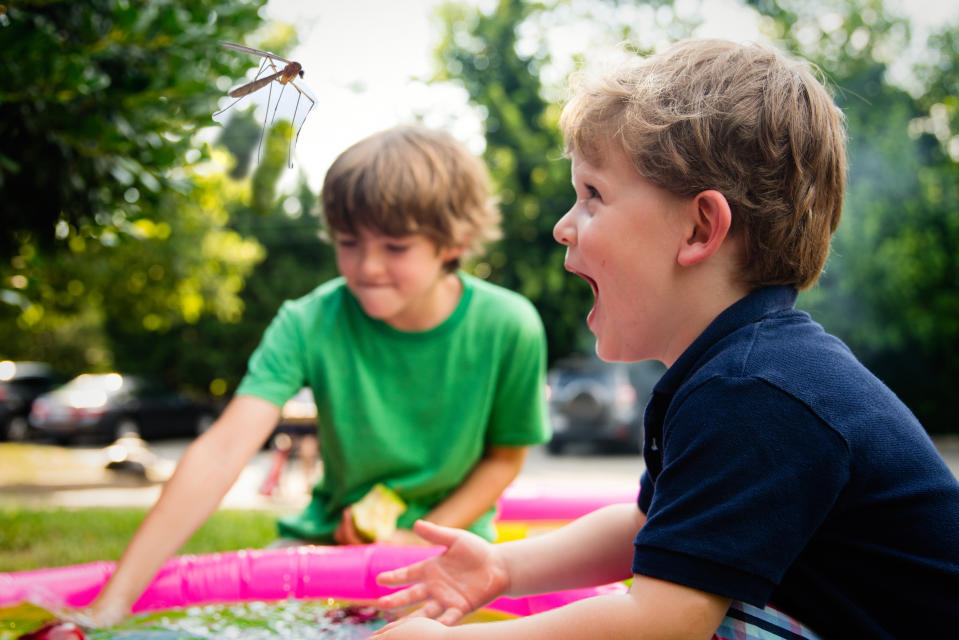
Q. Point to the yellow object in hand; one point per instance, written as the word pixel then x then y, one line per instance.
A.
pixel 375 515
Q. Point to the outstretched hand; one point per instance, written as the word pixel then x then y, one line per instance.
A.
pixel 468 575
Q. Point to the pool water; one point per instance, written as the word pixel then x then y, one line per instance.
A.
pixel 300 619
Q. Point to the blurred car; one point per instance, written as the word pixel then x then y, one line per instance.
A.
pixel 599 403
pixel 20 384
pixel 110 405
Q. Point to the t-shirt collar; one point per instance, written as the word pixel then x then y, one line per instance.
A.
pixel 758 304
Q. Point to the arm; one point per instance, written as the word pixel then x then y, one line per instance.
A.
pixel 595 549
pixel 592 550
pixel 206 472
pixel 483 486
pixel 652 610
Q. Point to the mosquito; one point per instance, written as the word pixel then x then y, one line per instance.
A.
pixel 280 70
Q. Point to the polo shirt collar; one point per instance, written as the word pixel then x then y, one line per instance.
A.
pixel 758 304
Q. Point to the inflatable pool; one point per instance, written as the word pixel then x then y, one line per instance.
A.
pixel 346 573
pixel 528 508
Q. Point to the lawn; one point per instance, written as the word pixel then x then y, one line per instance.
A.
pixel 33 538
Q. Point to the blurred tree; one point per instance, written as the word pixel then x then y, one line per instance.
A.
pixel 889 289
pixel 99 100
pixel 524 152
pixel 121 250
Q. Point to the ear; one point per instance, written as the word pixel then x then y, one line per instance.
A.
pixel 449 254
pixel 708 227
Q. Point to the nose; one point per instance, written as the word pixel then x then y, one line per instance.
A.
pixel 564 231
pixel 370 262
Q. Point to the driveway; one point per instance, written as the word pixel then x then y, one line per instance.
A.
pixel 76 477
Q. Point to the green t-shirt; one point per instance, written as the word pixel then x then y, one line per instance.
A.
pixel 413 410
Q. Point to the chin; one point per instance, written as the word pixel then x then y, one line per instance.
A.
pixel 605 352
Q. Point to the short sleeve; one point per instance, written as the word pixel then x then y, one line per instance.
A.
pixel 749 474
pixel 276 370
pixel 519 414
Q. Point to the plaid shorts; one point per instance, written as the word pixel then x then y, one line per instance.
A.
pixel 746 622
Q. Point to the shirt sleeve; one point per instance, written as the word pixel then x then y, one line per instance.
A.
pixel 276 370
pixel 749 474
pixel 519 414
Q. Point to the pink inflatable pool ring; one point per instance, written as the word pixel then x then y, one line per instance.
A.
pixel 347 573
pixel 528 501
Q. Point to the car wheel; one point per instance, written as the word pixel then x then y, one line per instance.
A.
pixel 18 429
pixel 127 427
pixel 203 423
pixel 555 446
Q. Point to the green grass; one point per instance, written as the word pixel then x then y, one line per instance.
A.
pixel 34 538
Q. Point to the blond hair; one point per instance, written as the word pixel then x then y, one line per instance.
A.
pixel 412 180
pixel 740 119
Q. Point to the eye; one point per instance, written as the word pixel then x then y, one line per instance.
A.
pixel 592 192
pixel 394 247
pixel 345 242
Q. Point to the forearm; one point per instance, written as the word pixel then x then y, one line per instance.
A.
pixel 180 510
pixel 611 617
pixel 481 488
pixel 594 549
pixel 206 472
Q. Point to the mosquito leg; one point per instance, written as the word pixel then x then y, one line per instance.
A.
pixel 298 126
pixel 266 116
pixel 279 99
pixel 295 134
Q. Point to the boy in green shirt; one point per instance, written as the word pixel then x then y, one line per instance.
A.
pixel 426 380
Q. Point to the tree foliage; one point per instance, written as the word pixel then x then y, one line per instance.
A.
pixel 524 152
pixel 123 235
pixel 99 100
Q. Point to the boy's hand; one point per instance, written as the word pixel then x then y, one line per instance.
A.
pixel 98 615
pixel 345 532
pixel 468 575
pixel 412 628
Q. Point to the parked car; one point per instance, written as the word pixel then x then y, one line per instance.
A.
pixel 20 383
pixel 599 403
pixel 109 406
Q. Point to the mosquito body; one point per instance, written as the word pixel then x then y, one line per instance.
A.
pixel 286 73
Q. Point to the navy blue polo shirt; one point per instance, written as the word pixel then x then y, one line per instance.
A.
pixel 781 471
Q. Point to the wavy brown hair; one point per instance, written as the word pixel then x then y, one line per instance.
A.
pixel 741 119
pixel 410 179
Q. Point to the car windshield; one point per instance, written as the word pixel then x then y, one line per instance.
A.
pixel 94 390
pixel 96 382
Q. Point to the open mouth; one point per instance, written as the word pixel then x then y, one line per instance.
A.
pixel 592 283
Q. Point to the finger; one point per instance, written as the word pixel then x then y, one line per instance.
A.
pixel 450 617
pixel 403 575
pixel 431 609
pixel 435 533
pixel 348 531
pixel 406 598
pixel 339 535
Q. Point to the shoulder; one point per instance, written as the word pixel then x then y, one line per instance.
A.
pixel 786 363
pixel 322 300
pixel 501 305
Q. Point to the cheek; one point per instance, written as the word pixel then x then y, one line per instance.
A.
pixel 345 262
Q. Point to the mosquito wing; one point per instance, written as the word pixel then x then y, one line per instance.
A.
pixel 251 50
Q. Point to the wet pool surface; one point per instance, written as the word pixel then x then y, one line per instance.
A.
pixel 287 619
pixel 290 619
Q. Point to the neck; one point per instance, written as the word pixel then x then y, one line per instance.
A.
pixel 435 307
